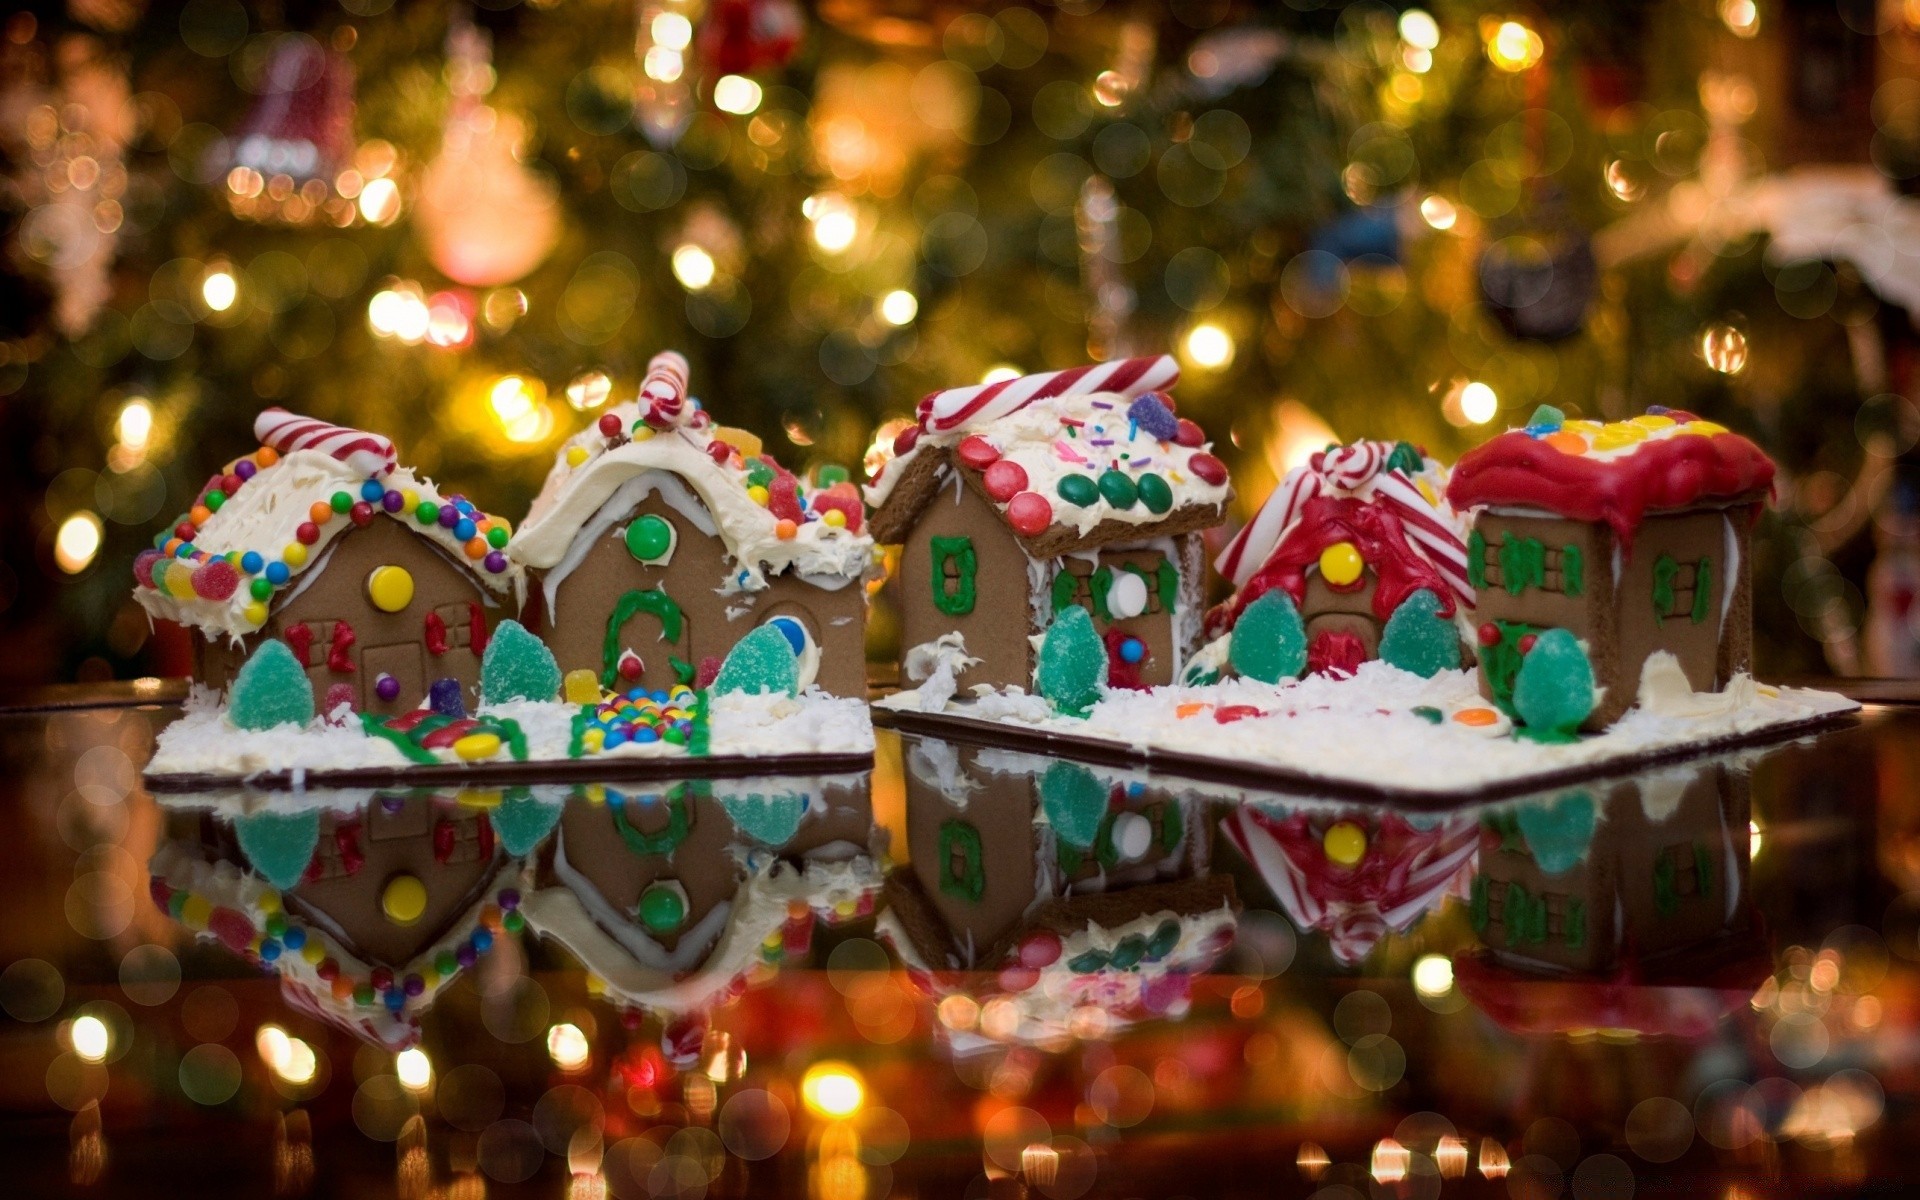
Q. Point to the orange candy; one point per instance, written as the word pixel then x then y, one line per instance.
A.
pixel 265 456
pixel 199 514
pixel 1476 716
pixel 785 529
pixel 490 917
pixel 476 547
pixel 1566 443
pixel 320 512
pixel 342 988
pixel 172 545
pixel 1189 709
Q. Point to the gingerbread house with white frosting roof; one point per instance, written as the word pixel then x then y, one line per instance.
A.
pixel 379 584
pixel 660 539
pixel 1016 499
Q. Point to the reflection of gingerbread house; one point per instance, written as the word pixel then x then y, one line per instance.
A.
pixel 1008 514
pixel 1349 536
pixel 1054 885
pixel 680 899
pixel 378 583
pixel 1632 535
pixel 651 551
pixel 1354 874
pixel 364 905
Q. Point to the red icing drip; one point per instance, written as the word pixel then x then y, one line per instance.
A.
pixel 1336 652
pixel 300 640
pixel 483 836
pixel 476 628
pixel 436 634
pixel 443 838
pixel 338 658
pixel 346 839
pixel 1375 531
pixel 1667 474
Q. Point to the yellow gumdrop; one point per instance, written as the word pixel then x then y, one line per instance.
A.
pixel 582 687
pixel 477 745
pixel 746 443
pixel 1341 564
pixel 180 582
pixel 1345 843
pixel 1651 421
pixel 196 912
pixel 576 455
pixel 834 517
pixel 390 588
pixel 404 899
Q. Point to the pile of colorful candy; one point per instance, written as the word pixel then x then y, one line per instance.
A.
pixel 639 716
pixel 1551 426
pixel 419 733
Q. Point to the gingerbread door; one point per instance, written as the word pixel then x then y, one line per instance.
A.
pixel 651 647
pixel 402 662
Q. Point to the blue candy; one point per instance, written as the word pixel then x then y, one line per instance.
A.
pixel 372 491
pixel 251 562
pixel 278 573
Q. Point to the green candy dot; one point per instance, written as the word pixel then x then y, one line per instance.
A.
pixel 1086 964
pixel 427 513
pixel 513 921
pixel 1164 940
pixel 649 538
pixel 363 995
pixel 661 909
pixel 445 963
pixel 1154 493
pixel 1130 951
pixel 215 499
pixel 341 502
pixel 1078 490
pixel 260 587
pixel 1118 488
pixel 759 474
pixel 277 924
pixel 831 474
pixel 496 537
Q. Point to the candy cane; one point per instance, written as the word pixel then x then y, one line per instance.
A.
pixel 663 393
pixel 941 412
pixel 368 453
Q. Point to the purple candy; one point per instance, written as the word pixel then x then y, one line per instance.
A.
pixel 449 516
pixel 245 468
pixel 466 956
pixel 444 698
pixel 414 985
pixel 496 562
pixel 509 899
pixel 392 501
pixel 386 687
pixel 1150 413
pixel 392 804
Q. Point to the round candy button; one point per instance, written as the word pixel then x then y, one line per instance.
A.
pixel 650 539
pixel 404 900
pixel 390 588
pixel 1341 564
pixel 1345 843
pixel 662 908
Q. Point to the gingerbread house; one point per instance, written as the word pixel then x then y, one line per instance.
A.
pixel 678 900
pixel 1349 537
pixel 1053 884
pixel 659 540
pixel 379 584
pixel 1620 905
pixel 1632 535
pixel 1014 500
pixel 1353 874
pixel 365 905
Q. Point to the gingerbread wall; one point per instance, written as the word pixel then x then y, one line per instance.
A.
pixel 1000 815
pixel 1001 619
pixel 334 589
pixel 576 629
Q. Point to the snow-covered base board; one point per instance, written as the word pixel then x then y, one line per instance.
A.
pixel 746 734
pixel 1382 733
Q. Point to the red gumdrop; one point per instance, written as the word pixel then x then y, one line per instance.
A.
pixel 783 498
pixel 1029 514
pixel 1228 714
pixel 709 670
pixel 1488 634
pixel 1527 641
pixel 833 501
pixel 232 927
pixel 143 566
pixel 906 439
pixel 1004 480
pixel 977 452
pixel 1208 468
pixel 215 579
pixel 1018 979
pixel 1190 434
pixel 1040 949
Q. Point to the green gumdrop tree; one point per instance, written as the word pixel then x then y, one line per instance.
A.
pixel 1559 831
pixel 1419 639
pixel 279 845
pixel 1553 691
pixel 1075 802
pixel 517 666
pixel 762 661
pixel 1072 671
pixel 270 689
pixel 1269 643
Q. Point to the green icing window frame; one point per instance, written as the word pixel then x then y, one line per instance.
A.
pixel 957 836
pixel 1573 570
pixel 1666 597
pixel 646 845
pixel 654 601
pixel 1163 585
pixel 956 594
pixel 1523 563
pixel 1476 560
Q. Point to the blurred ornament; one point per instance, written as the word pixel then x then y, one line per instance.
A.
pixel 1371 232
pixel 284 161
pixel 1234 58
pixel 1539 280
pixel 1132 64
pixel 740 37
pixel 662 97
pixel 1110 298
pixel 483 217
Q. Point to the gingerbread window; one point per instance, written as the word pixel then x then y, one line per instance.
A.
pixel 1682 590
pixel 1517 563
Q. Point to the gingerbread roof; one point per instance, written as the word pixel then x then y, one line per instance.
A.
pixel 770 521
pixel 1664 461
pixel 1063 472
pixel 265 523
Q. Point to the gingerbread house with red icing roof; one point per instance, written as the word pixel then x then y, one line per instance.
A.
pixel 379 584
pixel 1016 499
pixel 1633 535
pixel 1349 536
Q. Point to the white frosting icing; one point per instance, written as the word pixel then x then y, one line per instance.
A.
pixel 1730 570
pixel 572 496
pixel 672 492
pixel 268 509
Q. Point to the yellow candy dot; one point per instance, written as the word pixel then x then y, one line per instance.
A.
pixel 477 745
pixel 478 797
pixel 295 555
pixel 1700 429
pixel 576 455
pixel 1345 843
pixel 582 687
pixel 592 740
pixel 409 500
pixel 313 951
pixel 1341 564
pixel 1589 428
pixel 1618 435
pixel 1650 421
pixel 255 613
pixel 758 495
pixel 834 517
pixel 640 433
pixel 269 903
pixel 196 912
pixel 404 900
pixel 390 588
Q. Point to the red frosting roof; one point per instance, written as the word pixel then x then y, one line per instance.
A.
pixel 1658 474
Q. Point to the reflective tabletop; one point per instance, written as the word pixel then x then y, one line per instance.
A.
pixel 969 972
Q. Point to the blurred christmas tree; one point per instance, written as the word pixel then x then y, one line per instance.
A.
pixel 468 228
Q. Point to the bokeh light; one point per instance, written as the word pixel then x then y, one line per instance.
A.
pixel 414 1069
pixel 1433 975
pixel 833 1090
pixel 1514 47
pixel 77 542
pixel 1479 403
pixel 90 1038
pixel 693 267
pixel 1209 346
pixel 568 1047
pixel 899 307
pixel 736 94
pixel 219 289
